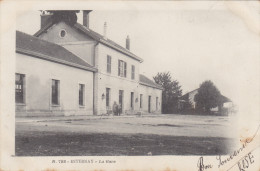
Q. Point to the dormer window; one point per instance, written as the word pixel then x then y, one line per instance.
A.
pixel 62 33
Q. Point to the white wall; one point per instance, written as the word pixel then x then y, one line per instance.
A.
pixel 38 76
pixel 192 98
pixel 83 50
pixel 76 42
pixel 153 92
pixel 72 35
pixel 115 82
pixel 115 55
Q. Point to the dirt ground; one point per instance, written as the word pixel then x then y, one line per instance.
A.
pixel 147 135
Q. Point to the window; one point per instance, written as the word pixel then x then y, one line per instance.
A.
pixel 81 94
pixel 107 97
pixel 108 64
pixel 122 68
pixel 19 88
pixel 156 103
pixel 133 72
pixel 55 92
pixel 62 33
pixel 149 103
pixel 132 100
pixel 141 100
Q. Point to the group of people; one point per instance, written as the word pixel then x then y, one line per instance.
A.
pixel 116 109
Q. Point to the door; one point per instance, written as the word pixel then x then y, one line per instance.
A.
pixel 156 103
pixel 132 100
pixel 149 104
pixel 121 99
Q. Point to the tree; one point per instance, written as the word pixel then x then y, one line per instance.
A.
pixel 208 96
pixel 171 91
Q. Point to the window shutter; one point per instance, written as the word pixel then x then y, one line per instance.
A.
pixel 125 69
pixel 118 67
pixel 134 73
pixel 108 64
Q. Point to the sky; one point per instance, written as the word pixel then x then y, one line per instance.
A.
pixel 193 45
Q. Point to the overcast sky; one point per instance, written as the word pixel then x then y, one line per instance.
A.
pixel 194 45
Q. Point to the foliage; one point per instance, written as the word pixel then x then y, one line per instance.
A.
pixel 171 91
pixel 208 97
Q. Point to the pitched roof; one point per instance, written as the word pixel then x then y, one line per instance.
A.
pixel 33 46
pixel 147 82
pixel 98 37
pixel 223 99
pixel 186 95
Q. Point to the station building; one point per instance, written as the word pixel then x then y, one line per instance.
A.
pixel 68 69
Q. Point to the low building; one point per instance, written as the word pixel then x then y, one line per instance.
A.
pixel 51 80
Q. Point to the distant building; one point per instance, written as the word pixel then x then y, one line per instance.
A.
pixel 189 97
pixel 68 69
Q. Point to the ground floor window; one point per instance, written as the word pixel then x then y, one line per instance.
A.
pixel 81 94
pixel 55 89
pixel 107 97
pixel 19 88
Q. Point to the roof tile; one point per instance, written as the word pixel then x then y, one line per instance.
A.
pixel 146 81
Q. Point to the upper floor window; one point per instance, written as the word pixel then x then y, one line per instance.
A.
pixel 133 72
pixel 122 68
pixel 81 94
pixel 62 33
pixel 108 64
pixel 19 88
pixel 55 91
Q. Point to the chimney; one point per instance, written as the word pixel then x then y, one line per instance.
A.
pixel 86 18
pixel 105 30
pixel 127 43
pixel 45 18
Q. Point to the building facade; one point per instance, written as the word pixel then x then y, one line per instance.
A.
pixel 103 73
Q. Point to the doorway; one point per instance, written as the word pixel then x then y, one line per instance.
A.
pixel 121 100
pixel 132 100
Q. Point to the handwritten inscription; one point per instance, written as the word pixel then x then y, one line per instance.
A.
pixel 201 165
pixel 235 153
pixel 245 162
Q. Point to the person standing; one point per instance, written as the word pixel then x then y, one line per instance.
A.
pixel 115 108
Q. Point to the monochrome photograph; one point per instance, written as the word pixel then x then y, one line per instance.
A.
pixel 92 82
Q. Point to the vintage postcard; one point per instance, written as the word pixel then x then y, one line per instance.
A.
pixel 130 85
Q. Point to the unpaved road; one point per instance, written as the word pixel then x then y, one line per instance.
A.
pixel 164 135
